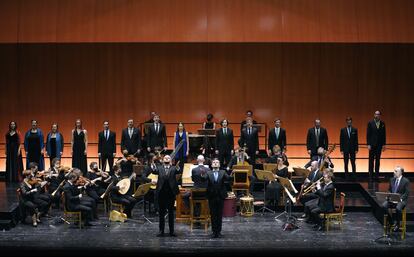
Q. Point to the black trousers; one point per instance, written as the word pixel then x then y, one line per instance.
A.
pixel 166 202
pixel 306 198
pixel 347 157
pixel 224 158
pixel 85 209
pixel 216 212
pixel 105 157
pixel 128 202
pixel 398 209
pixel 374 154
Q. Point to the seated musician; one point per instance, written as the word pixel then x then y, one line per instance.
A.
pixel 31 197
pixel 125 199
pixel 320 158
pixel 276 153
pixel 75 201
pixel 99 181
pixel 55 176
pixel 151 163
pixel 325 201
pixel 126 163
pixel 274 188
pixel 313 176
pixel 399 185
pixel 239 157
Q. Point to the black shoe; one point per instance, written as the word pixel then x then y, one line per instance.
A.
pixel 173 234
pixel 88 224
pixel 216 235
pixel 315 226
pixel 304 216
pixel 321 228
pixel 219 235
pixel 161 234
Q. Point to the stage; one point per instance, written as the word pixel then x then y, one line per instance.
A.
pixel 244 236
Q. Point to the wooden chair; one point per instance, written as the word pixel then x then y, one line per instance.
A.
pixel 337 215
pixel 241 181
pixel 403 223
pixel 116 206
pixel 199 197
pixel 70 216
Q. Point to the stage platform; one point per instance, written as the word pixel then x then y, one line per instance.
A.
pixel 243 236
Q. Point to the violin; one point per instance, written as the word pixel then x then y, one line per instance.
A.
pixel 82 181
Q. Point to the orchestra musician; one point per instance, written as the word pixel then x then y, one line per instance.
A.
pixel 99 181
pixel 125 199
pixel 314 175
pixel 324 203
pixel 55 176
pixel 273 189
pixel 400 185
pixel 320 158
pixel 277 153
pixel 75 200
pixel 32 199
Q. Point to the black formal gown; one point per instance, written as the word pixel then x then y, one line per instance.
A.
pixel 34 148
pixel 14 161
pixel 79 156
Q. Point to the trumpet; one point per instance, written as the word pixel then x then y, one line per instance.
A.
pixel 311 187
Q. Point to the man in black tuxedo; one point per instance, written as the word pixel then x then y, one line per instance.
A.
pixel 324 203
pixel 399 185
pixel 216 193
pixel 314 175
pixel 317 137
pixel 166 190
pixel 376 141
pixel 224 143
pixel 106 147
pixel 131 139
pixel 126 200
pixel 349 145
pixel 250 138
pixel 249 115
pixel 74 200
pixel 157 135
pixel 320 157
pixel 277 136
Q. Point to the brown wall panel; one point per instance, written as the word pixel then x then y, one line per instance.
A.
pixel 183 82
pixel 206 21
pixel 38 20
pixel 76 20
pixel 9 21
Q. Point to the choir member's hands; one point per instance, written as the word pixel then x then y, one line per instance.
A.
pixel 42 152
pixel 383 148
pixel 187 153
pixel 356 152
pixel 232 152
pixel 149 149
pixel 61 153
pixel 85 152
pixel 257 152
pixel 99 155
pixel 114 154
pixel 269 153
pixel 369 147
pixel 217 151
pixel 342 153
pixel 71 153
pixel 165 148
pixel 309 151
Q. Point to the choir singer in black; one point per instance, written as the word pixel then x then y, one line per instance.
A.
pixel 131 139
pixel 376 140
pixel 224 143
pixel 317 137
pixel 349 145
pixel 106 147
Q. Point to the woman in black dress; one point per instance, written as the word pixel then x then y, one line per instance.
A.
pixel 209 123
pixel 14 160
pixel 34 144
pixel 79 147
pixel 274 188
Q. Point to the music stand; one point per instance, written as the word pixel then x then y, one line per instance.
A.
pixel 141 191
pixel 302 172
pixel 391 198
pixel 265 175
pixel 288 186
